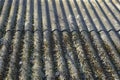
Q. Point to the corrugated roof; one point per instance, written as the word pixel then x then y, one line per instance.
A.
pixel 59 39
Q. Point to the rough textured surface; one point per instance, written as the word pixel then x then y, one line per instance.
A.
pixel 59 40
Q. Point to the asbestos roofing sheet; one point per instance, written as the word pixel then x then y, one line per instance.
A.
pixel 59 40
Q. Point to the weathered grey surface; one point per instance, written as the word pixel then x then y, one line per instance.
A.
pixel 59 40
